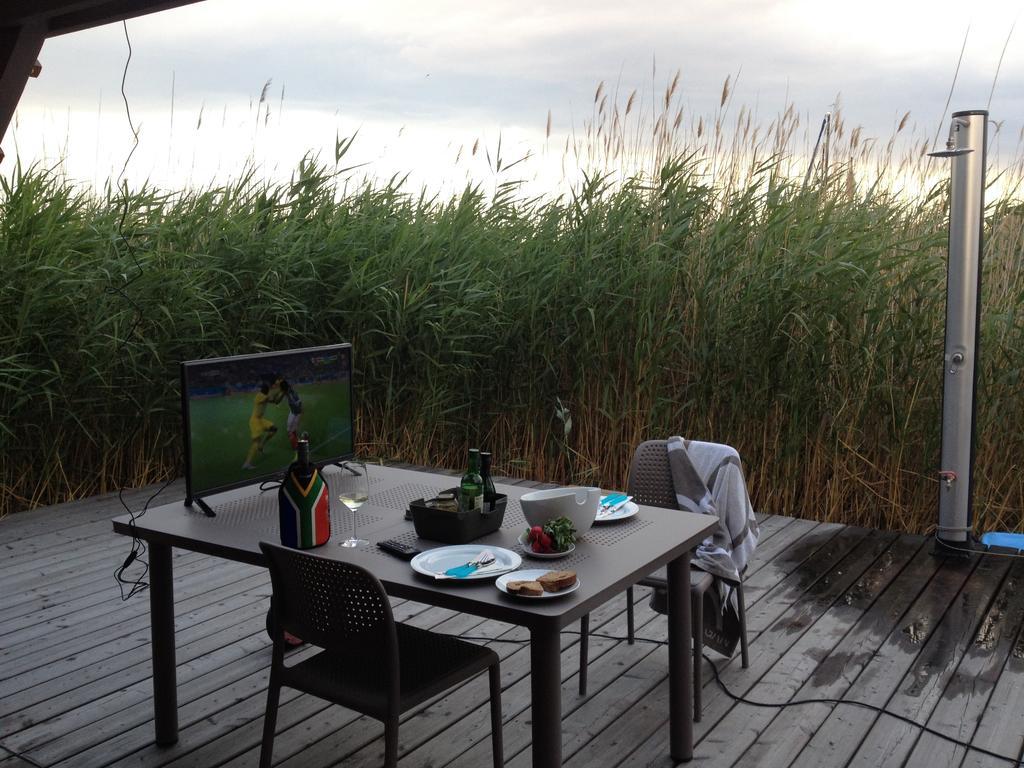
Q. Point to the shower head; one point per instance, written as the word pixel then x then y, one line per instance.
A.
pixel 950 152
pixel 951 149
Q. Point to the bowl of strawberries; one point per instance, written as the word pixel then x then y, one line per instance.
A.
pixel 555 538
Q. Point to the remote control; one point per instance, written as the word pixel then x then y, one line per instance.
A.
pixel 398 549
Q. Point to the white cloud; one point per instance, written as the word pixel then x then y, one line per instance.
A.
pixel 457 70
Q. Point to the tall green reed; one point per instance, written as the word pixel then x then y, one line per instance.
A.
pixel 711 295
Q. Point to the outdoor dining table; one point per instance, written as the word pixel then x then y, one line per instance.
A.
pixel 607 559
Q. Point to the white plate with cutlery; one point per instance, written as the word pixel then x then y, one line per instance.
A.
pixel 614 515
pixel 436 562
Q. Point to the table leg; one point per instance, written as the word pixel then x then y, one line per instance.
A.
pixel 161 618
pixel 680 666
pixel 546 690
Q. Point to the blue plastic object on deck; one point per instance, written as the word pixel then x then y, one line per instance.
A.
pixel 1001 539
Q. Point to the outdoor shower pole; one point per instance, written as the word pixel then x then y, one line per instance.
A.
pixel 967 146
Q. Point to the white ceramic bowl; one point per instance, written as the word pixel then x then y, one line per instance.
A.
pixel 578 504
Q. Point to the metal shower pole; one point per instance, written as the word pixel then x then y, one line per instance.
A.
pixel 967 146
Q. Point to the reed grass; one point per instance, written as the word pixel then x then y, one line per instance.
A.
pixel 694 287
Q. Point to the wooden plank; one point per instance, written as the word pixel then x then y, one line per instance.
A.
pixel 802 648
pixel 923 684
pixel 64 518
pixel 471 723
pixel 110 612
pixel 430 754
pixel 19 48
pixel 100 576
pixel 103 598
pixel 107 12
pixel 86 684
pixel 61 602
pixel 967 694
pixel 741 726
pixel 979 760
pixel 220 713
pixel 831 571
pixel 71 572
pixel 465 706
pixel 203 699
pixel 217 745
pixel 14 761
pixel 817 537
pixel 629 720
pixel 203 676
pixel 45 716
pixel 842 731
pixel 1001 729
pixel 780 742
pixel 466 743
pixel 71 552
pixel 889 740
pixel 780 573
pixel 129 627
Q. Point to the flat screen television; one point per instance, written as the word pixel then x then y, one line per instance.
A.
pixel 242 415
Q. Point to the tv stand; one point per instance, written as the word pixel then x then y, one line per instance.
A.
pixel 201 504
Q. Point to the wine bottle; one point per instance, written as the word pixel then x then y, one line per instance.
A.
pixel 304 504
pixel 490 494
pixel 471 489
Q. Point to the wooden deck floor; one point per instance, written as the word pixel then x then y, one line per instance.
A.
pixel 834 612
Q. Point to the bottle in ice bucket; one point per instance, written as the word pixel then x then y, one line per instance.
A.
pixel 471 489
pixel 304 503
pixel 490 494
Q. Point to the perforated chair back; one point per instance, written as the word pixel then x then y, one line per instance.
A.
pixel 650 479
pixel 326 602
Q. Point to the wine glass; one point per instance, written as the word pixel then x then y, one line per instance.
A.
pixel 353 491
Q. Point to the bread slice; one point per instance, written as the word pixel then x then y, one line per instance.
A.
pixel 556 581
pixel 531 588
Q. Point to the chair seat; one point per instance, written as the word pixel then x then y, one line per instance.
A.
pixel 430 663
pixel 700 581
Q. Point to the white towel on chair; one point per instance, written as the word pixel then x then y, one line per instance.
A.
pixel 708 479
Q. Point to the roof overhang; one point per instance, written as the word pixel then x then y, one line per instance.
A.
pixel 63 16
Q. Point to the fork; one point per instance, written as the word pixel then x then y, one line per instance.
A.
pixel 481 561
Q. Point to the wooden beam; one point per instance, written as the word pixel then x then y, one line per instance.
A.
pixel 19 48
pixel 18 12
pixel 63 16
pixel 108 12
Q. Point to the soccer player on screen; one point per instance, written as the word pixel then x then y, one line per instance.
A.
pixel 294 413
pixel 261 429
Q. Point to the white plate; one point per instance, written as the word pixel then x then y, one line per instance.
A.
pixel 626 511
pixel 542 555
pixel 531 575
pixel 437 561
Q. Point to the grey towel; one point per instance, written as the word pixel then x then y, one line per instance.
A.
pixel 708 479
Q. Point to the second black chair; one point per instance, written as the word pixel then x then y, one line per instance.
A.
pixel 370 663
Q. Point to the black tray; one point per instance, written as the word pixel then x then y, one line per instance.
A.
pixel 457 527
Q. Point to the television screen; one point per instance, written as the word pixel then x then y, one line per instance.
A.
pixel 243 415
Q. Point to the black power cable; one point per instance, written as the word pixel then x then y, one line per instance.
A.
pixel 138 547
pixel 1017 761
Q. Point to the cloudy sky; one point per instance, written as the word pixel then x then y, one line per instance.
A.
pixel 422 82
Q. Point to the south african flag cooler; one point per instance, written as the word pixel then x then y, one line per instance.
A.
pixel 305 511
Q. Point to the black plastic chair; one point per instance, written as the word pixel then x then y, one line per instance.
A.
pixel 650 483
pixel 370 663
